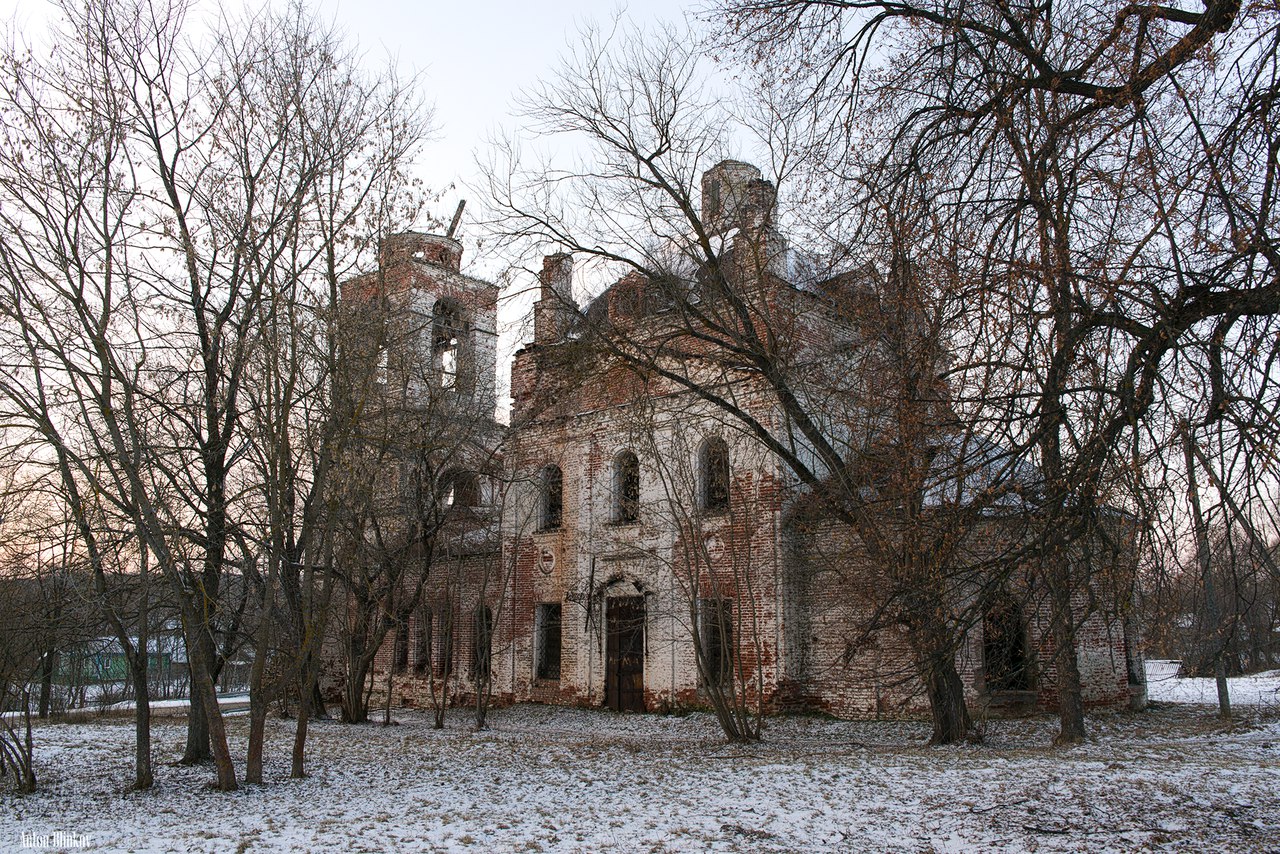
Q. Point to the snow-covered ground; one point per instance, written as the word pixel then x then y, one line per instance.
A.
pixel 1164 686
pixel 549 779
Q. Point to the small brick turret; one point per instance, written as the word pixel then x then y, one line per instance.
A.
pixel 555 309
pixel 733 195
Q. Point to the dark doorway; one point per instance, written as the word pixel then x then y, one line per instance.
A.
pixel 624 654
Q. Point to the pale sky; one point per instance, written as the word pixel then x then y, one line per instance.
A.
pixel 472 60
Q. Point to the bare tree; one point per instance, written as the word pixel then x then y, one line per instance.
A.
pixel 161 195
pixel 1073 143
pixel 19 659
pixel 49 614
pixel 720 593
pixel 414 483
pixel 361 132
pixel 838 370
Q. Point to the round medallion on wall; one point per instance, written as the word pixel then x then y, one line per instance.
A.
pixel 546 561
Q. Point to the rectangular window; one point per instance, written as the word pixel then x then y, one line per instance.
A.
pixel 482 644
pixel 551 499
pixel 422 653
pixel 715 632
pixel 400 652
pixel 547 640
pixel 714 474
pixel 444 664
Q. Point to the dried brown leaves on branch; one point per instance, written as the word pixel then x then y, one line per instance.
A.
pixel 177 216
pixel 1112 169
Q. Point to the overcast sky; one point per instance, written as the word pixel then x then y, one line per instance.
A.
pixel 472 59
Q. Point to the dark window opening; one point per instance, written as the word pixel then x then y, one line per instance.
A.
pixel 446 344
pixel 626 487
pixel 444 664
pixel 712 201
pixel 715 633
pixel 1004 646
pixel 400 650
pixel 552 509
pixel 482 644
pixel 422 651
pixel 714 474
pixel 547 629
pixel 462 489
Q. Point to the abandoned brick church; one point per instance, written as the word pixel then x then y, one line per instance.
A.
pixel 623 520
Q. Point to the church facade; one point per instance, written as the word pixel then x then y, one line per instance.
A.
pixel 631 546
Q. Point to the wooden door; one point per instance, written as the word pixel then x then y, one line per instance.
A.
pixel 624 654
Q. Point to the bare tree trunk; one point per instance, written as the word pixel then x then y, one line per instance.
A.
pixel 440 702
pixel 202 682
pixel 48 663
pixel 143 778
pixel 308 673
pixel 29 770
pixel 355 697
pixel 317 592
pixel 17 750
pixel 386 707
pixel 257 697
pixel 297 768
pixel 1062 626
pixel 1212 617
pixel 442 706
pixel 22 757
pixel 306 701
pixel 257 728
pixel 198 749
pixel 318 709
pixel 139 667
pixel 484 685
pixel 945 689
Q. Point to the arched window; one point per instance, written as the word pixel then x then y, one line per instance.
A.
pixel 461 489
pixel 626 487
pixel 713 474
pixel 446 343
pixel 551 499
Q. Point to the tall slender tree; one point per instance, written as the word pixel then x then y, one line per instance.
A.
pixel 163 193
